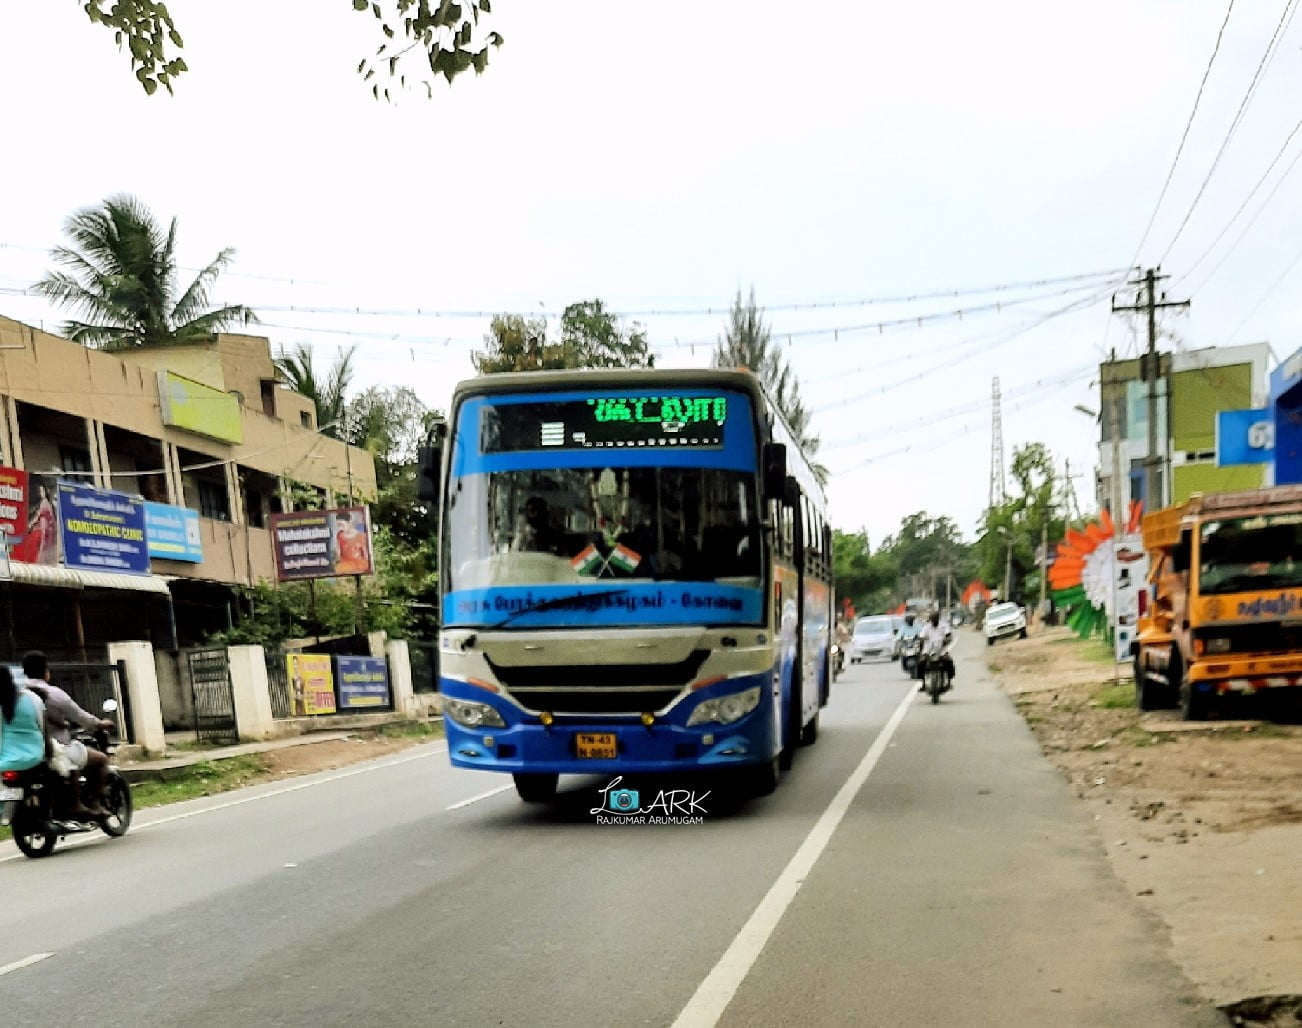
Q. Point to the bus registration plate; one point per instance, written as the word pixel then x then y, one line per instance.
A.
pixel 596 745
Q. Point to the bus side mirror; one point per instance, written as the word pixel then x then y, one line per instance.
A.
pixel 774 470
pixel 429 465
pixel 791 494
pixel 1180 555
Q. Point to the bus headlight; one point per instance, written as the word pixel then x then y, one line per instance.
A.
pixel 472 715
pixel 1220 645
pixel 725 709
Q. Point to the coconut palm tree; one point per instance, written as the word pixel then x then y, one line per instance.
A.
pixel 326 389
pixel 120 278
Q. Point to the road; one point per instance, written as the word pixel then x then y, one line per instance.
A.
pixel 921 865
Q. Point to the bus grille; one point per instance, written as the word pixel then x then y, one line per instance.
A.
pixel 599 688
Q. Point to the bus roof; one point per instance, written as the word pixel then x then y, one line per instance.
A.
pixel 576 378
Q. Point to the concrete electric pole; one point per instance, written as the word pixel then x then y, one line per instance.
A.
pixel 1147 301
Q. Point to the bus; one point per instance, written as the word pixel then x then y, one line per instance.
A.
pixel 636 577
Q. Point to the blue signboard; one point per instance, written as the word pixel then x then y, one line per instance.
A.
pixel 1286 376
pixel 362 682
pixel 641 603
pixel 173 533
pixel 1244 437
pixel 102 530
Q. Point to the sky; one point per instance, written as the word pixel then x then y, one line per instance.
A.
pixel 1001 160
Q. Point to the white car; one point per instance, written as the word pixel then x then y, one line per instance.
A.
pixel 873 637
pixel 1004 619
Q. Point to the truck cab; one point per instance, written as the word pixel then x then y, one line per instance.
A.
pixel 1223 610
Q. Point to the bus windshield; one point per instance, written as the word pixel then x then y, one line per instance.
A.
pixel 617 508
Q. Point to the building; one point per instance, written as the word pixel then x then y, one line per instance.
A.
pixel 1191 387
pixel 206 433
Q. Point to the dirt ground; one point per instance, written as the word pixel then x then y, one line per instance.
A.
pixel 1202 821
pixel 327 756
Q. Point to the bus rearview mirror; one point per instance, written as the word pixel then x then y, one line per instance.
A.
pixel 774 471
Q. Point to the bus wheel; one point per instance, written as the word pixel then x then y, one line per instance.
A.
pixel 536 788
pixel 1194 705
pixel 762 779
pixel 809 734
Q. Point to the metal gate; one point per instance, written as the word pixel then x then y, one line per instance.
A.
pixel 90 685
pixel 214 700
pixel 278 682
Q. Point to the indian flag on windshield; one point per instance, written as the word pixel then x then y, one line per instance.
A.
pixel 624 558
pixel 587 561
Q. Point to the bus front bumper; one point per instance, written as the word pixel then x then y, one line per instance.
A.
pixel 525 745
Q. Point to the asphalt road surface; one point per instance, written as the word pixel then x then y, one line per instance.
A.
pixel 921 865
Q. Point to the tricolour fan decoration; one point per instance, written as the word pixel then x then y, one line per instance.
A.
pixel 1082 576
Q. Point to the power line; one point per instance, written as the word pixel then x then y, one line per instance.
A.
pixel 1246 200
pixel 1184 136
pixel 1266 296
pixel 1285 18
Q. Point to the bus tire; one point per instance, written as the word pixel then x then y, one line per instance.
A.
pixel 1194 705
pixel 809 734
pixel 762 779
pixel 536 788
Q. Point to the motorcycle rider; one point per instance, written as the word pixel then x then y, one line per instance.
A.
pixel 935 646
pixel 62 715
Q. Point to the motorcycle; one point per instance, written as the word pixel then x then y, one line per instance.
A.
pixel 36 801
pixel 909 651
pixel 838 659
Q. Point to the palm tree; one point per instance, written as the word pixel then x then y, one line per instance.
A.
pixel 327 391
pixel 747 342
pixel 121 278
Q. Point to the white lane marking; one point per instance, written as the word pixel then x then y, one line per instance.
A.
pixel 481 796
pixel 85 840
pixel 18 965
pixel 714 994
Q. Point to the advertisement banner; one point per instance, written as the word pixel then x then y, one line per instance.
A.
pixel 102 530
pixel 362 682
pixel 173 533
pixel 1130 566
pixel 1244 437
pixel 199 408
pixel 13 503
pixel 322 543
pixel 37 538
pixel 311 683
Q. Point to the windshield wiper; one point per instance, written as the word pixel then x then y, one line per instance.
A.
pixel 590 602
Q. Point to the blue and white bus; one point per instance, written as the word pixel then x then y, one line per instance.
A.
pixel 636 578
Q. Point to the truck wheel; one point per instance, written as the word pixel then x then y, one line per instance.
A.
pixel 1194 705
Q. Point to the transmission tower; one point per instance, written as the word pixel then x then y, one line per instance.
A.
pixel 997 493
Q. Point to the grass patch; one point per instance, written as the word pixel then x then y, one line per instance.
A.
pixel 411 730
pixel 1116 697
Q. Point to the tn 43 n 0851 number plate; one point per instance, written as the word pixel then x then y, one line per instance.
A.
pixel 595 745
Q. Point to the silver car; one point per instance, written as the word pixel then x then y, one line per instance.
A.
pixel 873 637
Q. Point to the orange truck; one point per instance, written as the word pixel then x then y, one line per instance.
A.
pixel 1223 609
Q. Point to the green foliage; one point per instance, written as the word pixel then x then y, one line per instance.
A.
pixel 121 278
pixel 1019 522
pixel 747 342
pixel 446 35
pixel 591 337
pixel 326 389
pixel 1116 697
pixel 867 580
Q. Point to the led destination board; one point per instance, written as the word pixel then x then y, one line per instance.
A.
pixel 605 422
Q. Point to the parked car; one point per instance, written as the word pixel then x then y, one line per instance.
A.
pixel 1004 619
pixel 873 637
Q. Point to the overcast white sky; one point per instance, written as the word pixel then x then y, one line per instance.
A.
pixel 662 157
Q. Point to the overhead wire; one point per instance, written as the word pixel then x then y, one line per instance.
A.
pixel 1184 136
pixel 1285 19
pixel 1265 296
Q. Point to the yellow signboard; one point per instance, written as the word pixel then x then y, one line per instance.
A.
pixel 199 408
pixel 311 683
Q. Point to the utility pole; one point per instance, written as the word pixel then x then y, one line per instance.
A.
pixel 1115 430
pixel 1147 302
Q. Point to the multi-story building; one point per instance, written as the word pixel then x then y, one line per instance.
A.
pixel 1191 387
pixel 208 431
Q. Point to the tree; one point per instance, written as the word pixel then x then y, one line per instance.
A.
pixel 327 390
pixel 121 278
pixel 592 337
pixel 747 342
pixel 1012 531
pixel 864 578
pixel 445 34
pixel 392 423
pixel 927 551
